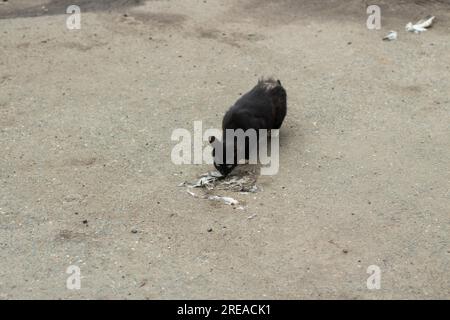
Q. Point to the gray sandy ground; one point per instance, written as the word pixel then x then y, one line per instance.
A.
pixel 86 178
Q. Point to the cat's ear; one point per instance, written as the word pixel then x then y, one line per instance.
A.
pixel 211 139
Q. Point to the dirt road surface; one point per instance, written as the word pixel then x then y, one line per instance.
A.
pixel 86 177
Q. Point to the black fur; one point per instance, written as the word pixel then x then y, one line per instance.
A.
pixel 263 107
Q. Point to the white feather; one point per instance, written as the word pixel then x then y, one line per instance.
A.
pixel 421 25
pixel 392 35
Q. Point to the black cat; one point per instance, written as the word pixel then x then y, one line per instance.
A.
pixel 263 107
